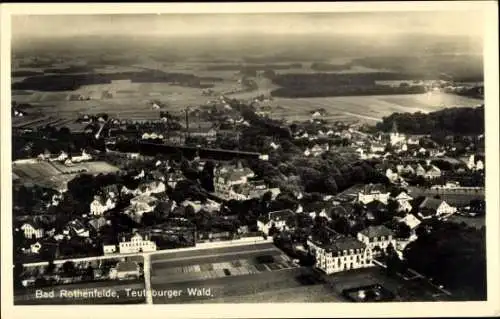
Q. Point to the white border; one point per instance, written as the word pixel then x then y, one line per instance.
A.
pixel 292 310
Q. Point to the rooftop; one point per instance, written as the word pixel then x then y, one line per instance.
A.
pixel 430 203
pixel 376 231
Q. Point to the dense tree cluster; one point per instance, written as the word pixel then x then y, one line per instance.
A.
pixel 70 82
pixel 454 255
pixel 459 121
pixel 339 84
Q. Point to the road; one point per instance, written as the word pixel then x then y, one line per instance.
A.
pixel 173 255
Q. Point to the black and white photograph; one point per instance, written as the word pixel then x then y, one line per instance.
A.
pixel 331 157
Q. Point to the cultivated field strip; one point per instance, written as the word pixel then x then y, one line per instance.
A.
pixel 218 270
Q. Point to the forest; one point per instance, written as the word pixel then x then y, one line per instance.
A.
pixel 453 121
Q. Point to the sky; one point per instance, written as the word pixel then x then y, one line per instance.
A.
pixel 467 23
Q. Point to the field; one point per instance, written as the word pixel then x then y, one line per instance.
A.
pixel 105 288
pixel 56 175
pixel 127 100
pixel 234 274
pixel 367 108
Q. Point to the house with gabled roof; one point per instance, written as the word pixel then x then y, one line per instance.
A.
pixel 378 238
pixel 277 218
pixel 404 200
pixel 33 228
pixel 433 207
pixel 432 172
pixel 373 192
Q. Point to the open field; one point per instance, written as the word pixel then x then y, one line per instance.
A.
pixel 127 100
pixel 56 175
pixel 367 108
pixel 61 293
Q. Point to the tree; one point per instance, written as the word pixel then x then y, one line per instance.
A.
pixel 89 273
pixel 273 230
pixel 50 268
pixel 403 230
pixel 437 254
pixel 69 268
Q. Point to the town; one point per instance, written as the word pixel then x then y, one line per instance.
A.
pixel 90 205
pixel 304 157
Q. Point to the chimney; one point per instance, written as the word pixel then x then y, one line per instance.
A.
pixel 187 121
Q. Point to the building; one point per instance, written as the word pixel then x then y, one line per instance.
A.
pixel 432 207
pixel 99 205
pixel 276 218
pixel 378 238
pixel 373 192
pixel 411 221
pixel 108 249
pixel 403 200
pixel 338 253
pixel 32 229
pixel 136 244
pixel 433 172
pixel 396 138
pixel 392 176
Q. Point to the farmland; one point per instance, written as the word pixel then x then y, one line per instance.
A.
pixel 366 108
pixel 56 175
pixel 126 99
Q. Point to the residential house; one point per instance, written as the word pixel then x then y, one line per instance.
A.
pixel 76 228
pixel 276 218
pixel 373 192
pixel 100 205
pixel 377 148
pixel 392 176
pixel 420 170
pixel 403 200
pixel 98 223
pixel 378 238
pixel 432 207
pixel 136 243
pixel 108 248
pixel 411 221
pixel 35 248
pixel 139 205
pixel 154 187
pixel 433 172
pixel 227 177
pixel 32 229
pixel 336 253
pixel 316 150
pixel 81 158
pixel 274 146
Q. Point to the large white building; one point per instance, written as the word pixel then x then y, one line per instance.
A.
pixel 340 254
pixel 136 244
